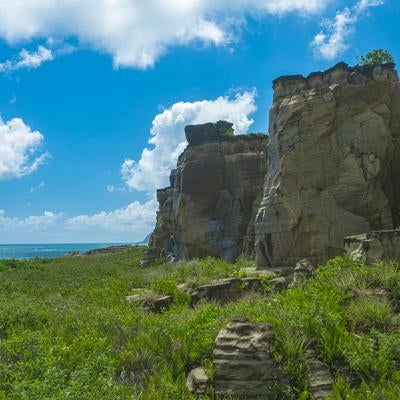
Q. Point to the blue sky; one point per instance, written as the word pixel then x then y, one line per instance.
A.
pixel 86 85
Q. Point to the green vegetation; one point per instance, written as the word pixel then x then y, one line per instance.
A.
pixel 377 56
pixel 67 331
pixel 230 133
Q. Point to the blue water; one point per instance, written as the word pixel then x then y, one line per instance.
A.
pixel 24 251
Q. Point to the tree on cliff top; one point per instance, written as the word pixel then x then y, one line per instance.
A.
pixel 377 56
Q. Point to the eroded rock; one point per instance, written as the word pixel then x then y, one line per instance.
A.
pixel 372 247
pixel 303 271
pixel 244 360
pixel 320 379
pixel 223 290
pixel 150 300
pixel 197 381
pixel 333 163
pixel 210 207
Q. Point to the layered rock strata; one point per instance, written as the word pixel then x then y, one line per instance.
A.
pixel 320 378
pixel 329 169
pixel 244 361
pixel 333 163
pixel 210 207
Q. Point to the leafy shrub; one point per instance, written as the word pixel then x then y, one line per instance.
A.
pixel 377 56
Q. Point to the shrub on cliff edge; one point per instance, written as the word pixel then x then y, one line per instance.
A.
pixel 376 56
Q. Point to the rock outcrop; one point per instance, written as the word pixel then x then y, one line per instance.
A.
pixel 329 169
pixel 244 361
pixel 150 300
pixel 320 379
pixel 210 207
pixel 333 163
pixel 374 246
pixel 223 290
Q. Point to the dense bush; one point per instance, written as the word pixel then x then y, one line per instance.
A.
pixel 377 56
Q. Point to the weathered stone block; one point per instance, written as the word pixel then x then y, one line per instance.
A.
pixel 244 360
pixel 197 381
pixel 374 246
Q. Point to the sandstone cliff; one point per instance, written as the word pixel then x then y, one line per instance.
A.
pixel 210 207
pixel 331 166
pixel 333 163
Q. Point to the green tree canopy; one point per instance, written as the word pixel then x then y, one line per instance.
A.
pixel 377 56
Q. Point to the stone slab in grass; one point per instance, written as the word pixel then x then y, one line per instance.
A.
pixel 150 300
pixel 244 361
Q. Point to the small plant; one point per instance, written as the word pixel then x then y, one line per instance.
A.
pixel 377 56
pixel 229 133
pixel 370 313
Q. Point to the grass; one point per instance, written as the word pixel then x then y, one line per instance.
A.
pixel 67 332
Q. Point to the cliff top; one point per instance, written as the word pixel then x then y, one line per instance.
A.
pixel 341 73
pixel 366 70
pixel 221 131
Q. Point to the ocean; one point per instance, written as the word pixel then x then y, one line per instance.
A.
pixel 25 251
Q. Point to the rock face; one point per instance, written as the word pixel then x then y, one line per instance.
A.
pixel 244 361
pixel 210 207
pixel 333 163
pixel 374 246
pixel 330 169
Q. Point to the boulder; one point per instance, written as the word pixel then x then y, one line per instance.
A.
pixel 280 283
pixel 150 300
pixel 303 271
pixel 223 290
pixel 197 381
pixel 244 360
pixel 375 246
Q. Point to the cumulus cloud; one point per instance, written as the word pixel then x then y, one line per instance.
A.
pixel 26 59
pixel 136 217
pixel 19 147
pixel 134 32
pixel 168 137
pixel 130 223
pixel 331 42
pixel 32 223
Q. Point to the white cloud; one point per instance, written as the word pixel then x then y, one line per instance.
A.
pixel 32 223
pixel 168 136
pixel 135 32
pixel 19 147
pixel 363 5
pixel 136 217
pixel 34 189
pixel 26 59
pixel 127 224
pixel 333 41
